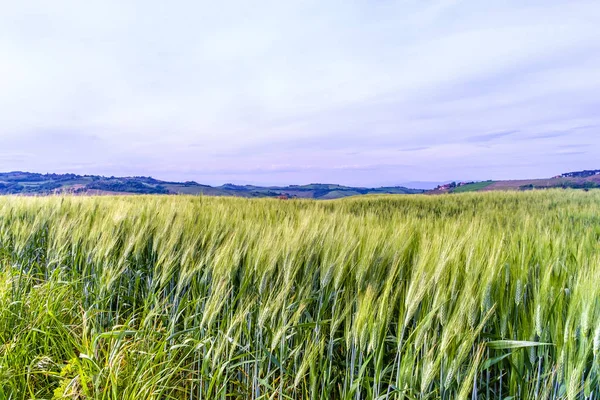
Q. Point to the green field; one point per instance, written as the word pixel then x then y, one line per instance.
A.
pixel 482 295
pixel 472 187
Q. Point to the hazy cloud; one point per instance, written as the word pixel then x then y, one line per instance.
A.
pixel 358 92
pixel 488 137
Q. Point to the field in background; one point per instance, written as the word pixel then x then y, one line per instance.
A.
pixel 479 295
pixel 473 187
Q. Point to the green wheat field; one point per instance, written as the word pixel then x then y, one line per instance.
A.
pixel 470 296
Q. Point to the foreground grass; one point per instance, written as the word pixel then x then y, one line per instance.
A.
pixel 485 295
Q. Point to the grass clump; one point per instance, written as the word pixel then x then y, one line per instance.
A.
pixel 484 295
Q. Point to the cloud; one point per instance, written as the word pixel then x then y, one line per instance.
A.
pixel 225 90
pixel 417 148
pixel 488 137
pixel 570 153
pixel 8 157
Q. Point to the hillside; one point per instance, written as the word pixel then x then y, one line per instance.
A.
pixel 589 179
pixel 31 184
pixel 27 183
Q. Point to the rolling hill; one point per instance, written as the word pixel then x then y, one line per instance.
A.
pixel 27 183
pixel 588 179
pixel 31 184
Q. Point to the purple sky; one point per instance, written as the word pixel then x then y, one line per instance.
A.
pixel 358 92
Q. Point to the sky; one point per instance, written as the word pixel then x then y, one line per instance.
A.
pixel 356 92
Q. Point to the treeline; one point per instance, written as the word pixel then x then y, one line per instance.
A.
pixel 127 186
pixel 581 174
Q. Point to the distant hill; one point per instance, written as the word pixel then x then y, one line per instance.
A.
pixel 581 174
pixel 589 179
pixel 27 183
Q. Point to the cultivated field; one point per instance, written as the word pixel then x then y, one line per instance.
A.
pixel 478 295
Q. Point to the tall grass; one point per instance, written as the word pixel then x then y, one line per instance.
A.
pixel 488 296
